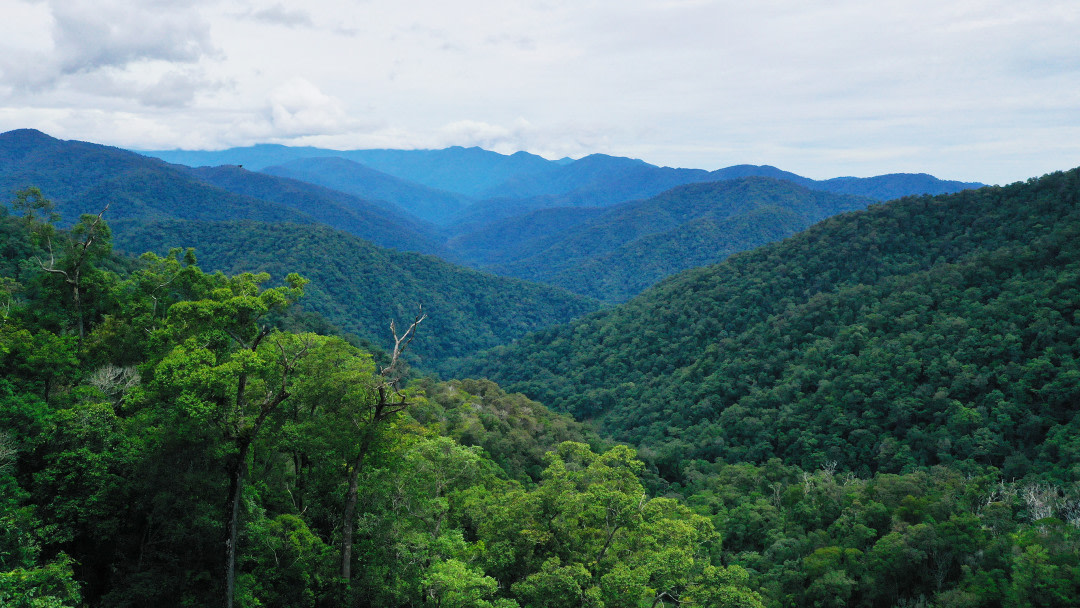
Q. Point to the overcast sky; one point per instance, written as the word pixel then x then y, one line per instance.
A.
pixel 973 90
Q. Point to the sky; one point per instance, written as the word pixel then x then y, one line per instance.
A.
pixel 972 90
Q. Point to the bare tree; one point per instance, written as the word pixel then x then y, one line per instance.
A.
pixel 114 381
pixel 389 400
pixel 1042 500
pixel 89 237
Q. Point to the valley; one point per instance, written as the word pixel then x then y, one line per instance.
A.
pixel 287 376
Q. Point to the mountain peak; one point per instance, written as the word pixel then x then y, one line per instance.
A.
pixel 21 143
pixel 26 137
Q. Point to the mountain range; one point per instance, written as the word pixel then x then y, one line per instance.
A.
pixel 928 331
pixel 590 225
pixel 354 250
pixel 876 404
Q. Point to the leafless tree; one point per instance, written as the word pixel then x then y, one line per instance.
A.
pixel 388 401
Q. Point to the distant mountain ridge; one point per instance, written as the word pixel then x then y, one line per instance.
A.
pixel 594 180
pixel 348 176
pixel 583 225
pixel 629 247
pixel 600 180
pixel 387 225
pixel 82 177
pixel 466 171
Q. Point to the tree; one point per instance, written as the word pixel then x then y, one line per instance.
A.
pixel 88 240
pixel 232 371
pixel 367 418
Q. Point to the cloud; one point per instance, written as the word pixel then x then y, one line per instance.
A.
pixel 93 34
pixel 549 140
pixel 106 39
pixel 822 89
pixel 298 108
pixel 278 14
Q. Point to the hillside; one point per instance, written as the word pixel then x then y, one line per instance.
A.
pixel 466 171
pixel 384 224
pixel 199 406
pixel 930 330
pixel 361 287
pixel 517 236
pixel 82 177
pixel 353 178
pixel 628 247
pixel 597 180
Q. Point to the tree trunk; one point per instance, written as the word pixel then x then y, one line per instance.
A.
pixel 76 297
pixel 349 514
pixel 232 523
pixel 347 519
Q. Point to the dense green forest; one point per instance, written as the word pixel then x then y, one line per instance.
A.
pixel 934 330
pixel 618 254
pixel 162 443
pixel 359 286
pixel 877 412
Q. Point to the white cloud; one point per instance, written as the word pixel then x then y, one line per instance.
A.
pixel 842 87
pixel 109 48
pixel 279 14
pixel 92 34
pixel 298 108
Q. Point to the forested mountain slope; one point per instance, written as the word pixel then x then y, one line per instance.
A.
pixel 82 177
pixel 616 255
pixel 360 286
pixel 928 330
pixel 382 223
pixel 467 171
pixel 165 441
pixel 512 238
pixel 183 451
pixel 351 177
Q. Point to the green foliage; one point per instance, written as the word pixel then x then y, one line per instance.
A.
pixel 943 536
pixel 631 246
pixel 119 456
pixel 362 287
pixel 926 331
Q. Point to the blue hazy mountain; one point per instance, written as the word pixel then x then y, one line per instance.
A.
pixel 380 222
pixel 466 171
pixel 82 177
pixel 506 185
pixel 599 180
pixel 620 251
pixel 354 178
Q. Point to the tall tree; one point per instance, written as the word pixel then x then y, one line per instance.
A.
pixel 234 372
